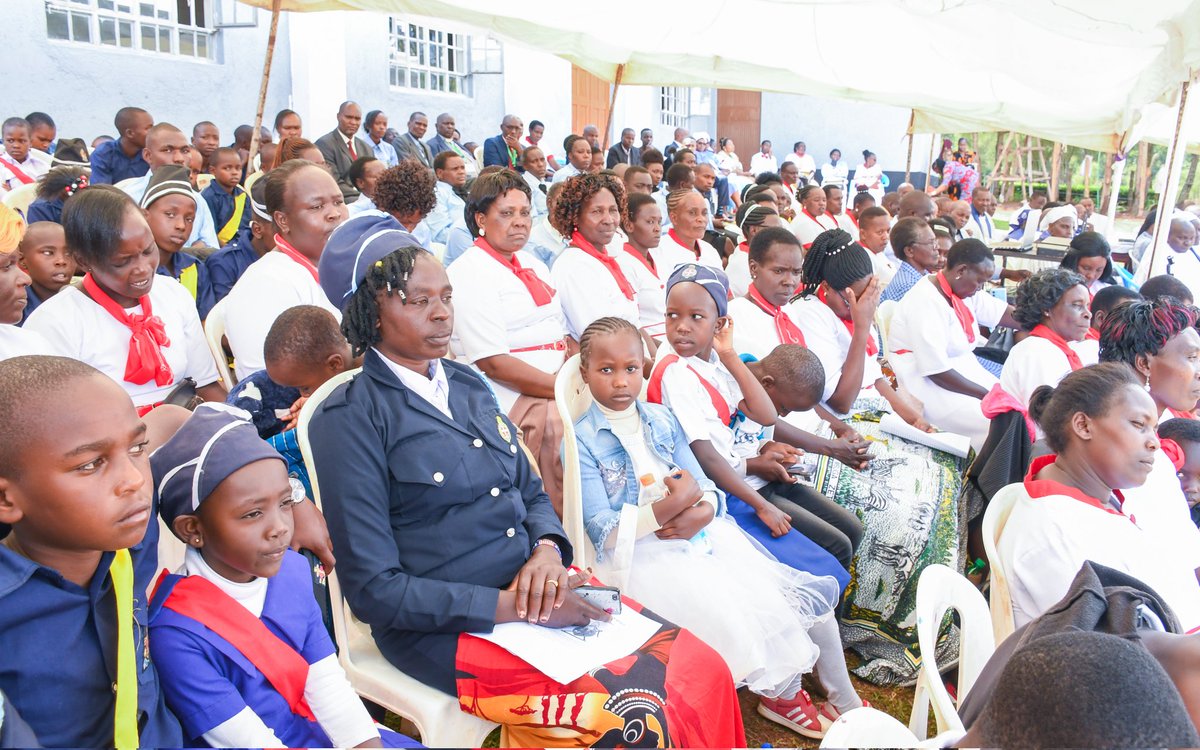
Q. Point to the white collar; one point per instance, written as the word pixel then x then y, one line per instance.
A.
pixel 435 388
pixel 251 595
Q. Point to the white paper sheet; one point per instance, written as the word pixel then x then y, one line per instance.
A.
pixel 566 654
pixel 951 442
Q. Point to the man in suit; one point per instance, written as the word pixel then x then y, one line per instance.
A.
pixel 669 151
pixel 624 152
pixel 409 145
pixel 342 146
pixel 504 150
pixel 445 141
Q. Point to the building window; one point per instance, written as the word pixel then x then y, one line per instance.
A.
pixel 172 27
pixel 428 59
pixel 674 102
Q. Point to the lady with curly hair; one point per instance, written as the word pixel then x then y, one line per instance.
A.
pixel 509 323
pixel 1158 339
pixel 407 191
pixel 590 281
pixel 1054 306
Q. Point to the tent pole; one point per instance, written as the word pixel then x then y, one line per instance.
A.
pixel 912 117
pixel 262 88
pixel 1166 201
pixel 612 103
pixel 1117 171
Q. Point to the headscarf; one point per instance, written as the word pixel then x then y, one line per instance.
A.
pixel 715 282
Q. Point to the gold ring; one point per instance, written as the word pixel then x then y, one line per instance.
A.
pixel 552 583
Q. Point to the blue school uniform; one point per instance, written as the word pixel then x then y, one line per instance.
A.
pixel 208 681
pixel 224 209
pixel 110 165
pixel 228 264
pixel 191 272
pixel 58 650
pixel 44 210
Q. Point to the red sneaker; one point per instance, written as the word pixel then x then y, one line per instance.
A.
pixel 798 714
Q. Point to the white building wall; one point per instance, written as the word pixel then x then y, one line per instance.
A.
pixel 83 85
pixel 536 86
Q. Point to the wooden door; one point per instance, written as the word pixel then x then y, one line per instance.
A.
pixel 739 116
pixel 589 102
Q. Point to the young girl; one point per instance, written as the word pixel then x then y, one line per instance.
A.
pixel 643 225
pixel 1100 424
pixel 646 496
pixel 244 657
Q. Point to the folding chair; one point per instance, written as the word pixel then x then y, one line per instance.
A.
pixel 940 590
pixel 439 720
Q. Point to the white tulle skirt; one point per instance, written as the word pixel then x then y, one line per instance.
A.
pixel 754 611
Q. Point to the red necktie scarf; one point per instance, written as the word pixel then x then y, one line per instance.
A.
pixel 872 347
pixel 785 329
pixel 1044 332
pixel 350 146
pixel 965 318
pixel 695 248
pixel 645 260
pixel 148 336
pixel 607 260
pixel 284 247
pixel 541 292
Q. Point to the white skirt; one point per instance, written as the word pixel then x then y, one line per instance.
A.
pixel 753 610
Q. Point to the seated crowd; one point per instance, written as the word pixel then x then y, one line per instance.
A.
pixel 789 381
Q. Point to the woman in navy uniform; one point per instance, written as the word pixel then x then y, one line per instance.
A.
pixel 442 529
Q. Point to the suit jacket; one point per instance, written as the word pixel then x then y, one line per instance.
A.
pixel 617 156
pixel 431 516
pixel 408 147
pixel 438 144
pixel 495 151
pixel 333 147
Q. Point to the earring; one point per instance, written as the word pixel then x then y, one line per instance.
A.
pixel 481 232
pixel 1147 384
pixel 196 540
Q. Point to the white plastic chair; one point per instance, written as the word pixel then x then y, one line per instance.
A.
pixel 19 199
pixel 883 320
pixel 939 590
pixel 214 331
pixel 994 520
pixel 439 720
pixel 1031 232
pixel 573 398
pixel 868 727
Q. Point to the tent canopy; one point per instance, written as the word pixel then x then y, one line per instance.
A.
pixel 1076 71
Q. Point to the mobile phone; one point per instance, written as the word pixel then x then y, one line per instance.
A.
pixel 607 598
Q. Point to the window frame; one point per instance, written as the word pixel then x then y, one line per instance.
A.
pixel 428 58
pixel 126 26
pixel 675 105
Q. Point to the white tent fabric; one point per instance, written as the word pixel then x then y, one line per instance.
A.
pixel 1075 71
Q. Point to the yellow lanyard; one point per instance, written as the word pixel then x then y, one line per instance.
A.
pixel 229 231
pixel 190 278
pixel 125 722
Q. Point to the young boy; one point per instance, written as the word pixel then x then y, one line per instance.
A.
pixel 228 264
pixel 122 158
pixel 533 161
pixel 1185 434
pixel 225 197
pixel 244 657
pixel 170 207
pixel 206 139
pixel 874 229
pixel 75 485
pixel 44 256
pixel 23 165
pixel 708 387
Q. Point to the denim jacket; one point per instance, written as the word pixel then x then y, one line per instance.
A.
pixel 607 473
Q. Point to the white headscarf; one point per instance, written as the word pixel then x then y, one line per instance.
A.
pixel 1055 214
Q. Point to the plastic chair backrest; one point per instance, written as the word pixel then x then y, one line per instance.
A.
pixel 214 331
pixel 940 590
pixel 883 320
pixel 572 398
pixel 994 520
pixel 868 727
pixel 20 198
pixel 479 156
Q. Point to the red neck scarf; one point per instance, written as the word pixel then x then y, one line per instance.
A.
pixel 1092 335
pixel 285 247
pixel 645 260
pixel 787 331
pixel 965 318
pixel 541 292
pixel 818 221
pixel 744 247
pixel 607 260
pixel 1043 331
pixel 853 219
pixel 146 361
pixel 695 248
pixel 872 347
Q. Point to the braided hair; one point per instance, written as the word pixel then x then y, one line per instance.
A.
pixel 835 258
pixel 751 214
pixel 675 197
pixel 389 275
pixel 603 327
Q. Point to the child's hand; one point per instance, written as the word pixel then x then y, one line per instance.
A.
pixel 683 485
pixel 687 523
pixel 769 469
pixel 723 340
pixel 785 454
pixel 294 413
pixel 776 520
pixel 853 453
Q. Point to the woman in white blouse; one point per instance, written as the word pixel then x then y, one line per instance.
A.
pixel 812 219
pixel 869 177
pixel 508 320
pixel 684 242
pixel 835 171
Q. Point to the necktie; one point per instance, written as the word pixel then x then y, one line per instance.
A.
pixel 350 147
pixel 125 722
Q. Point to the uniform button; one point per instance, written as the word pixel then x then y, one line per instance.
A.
pixel 438 476
pixel 512 448
pixel 477 443
pixel 510 533
pixel 495 492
